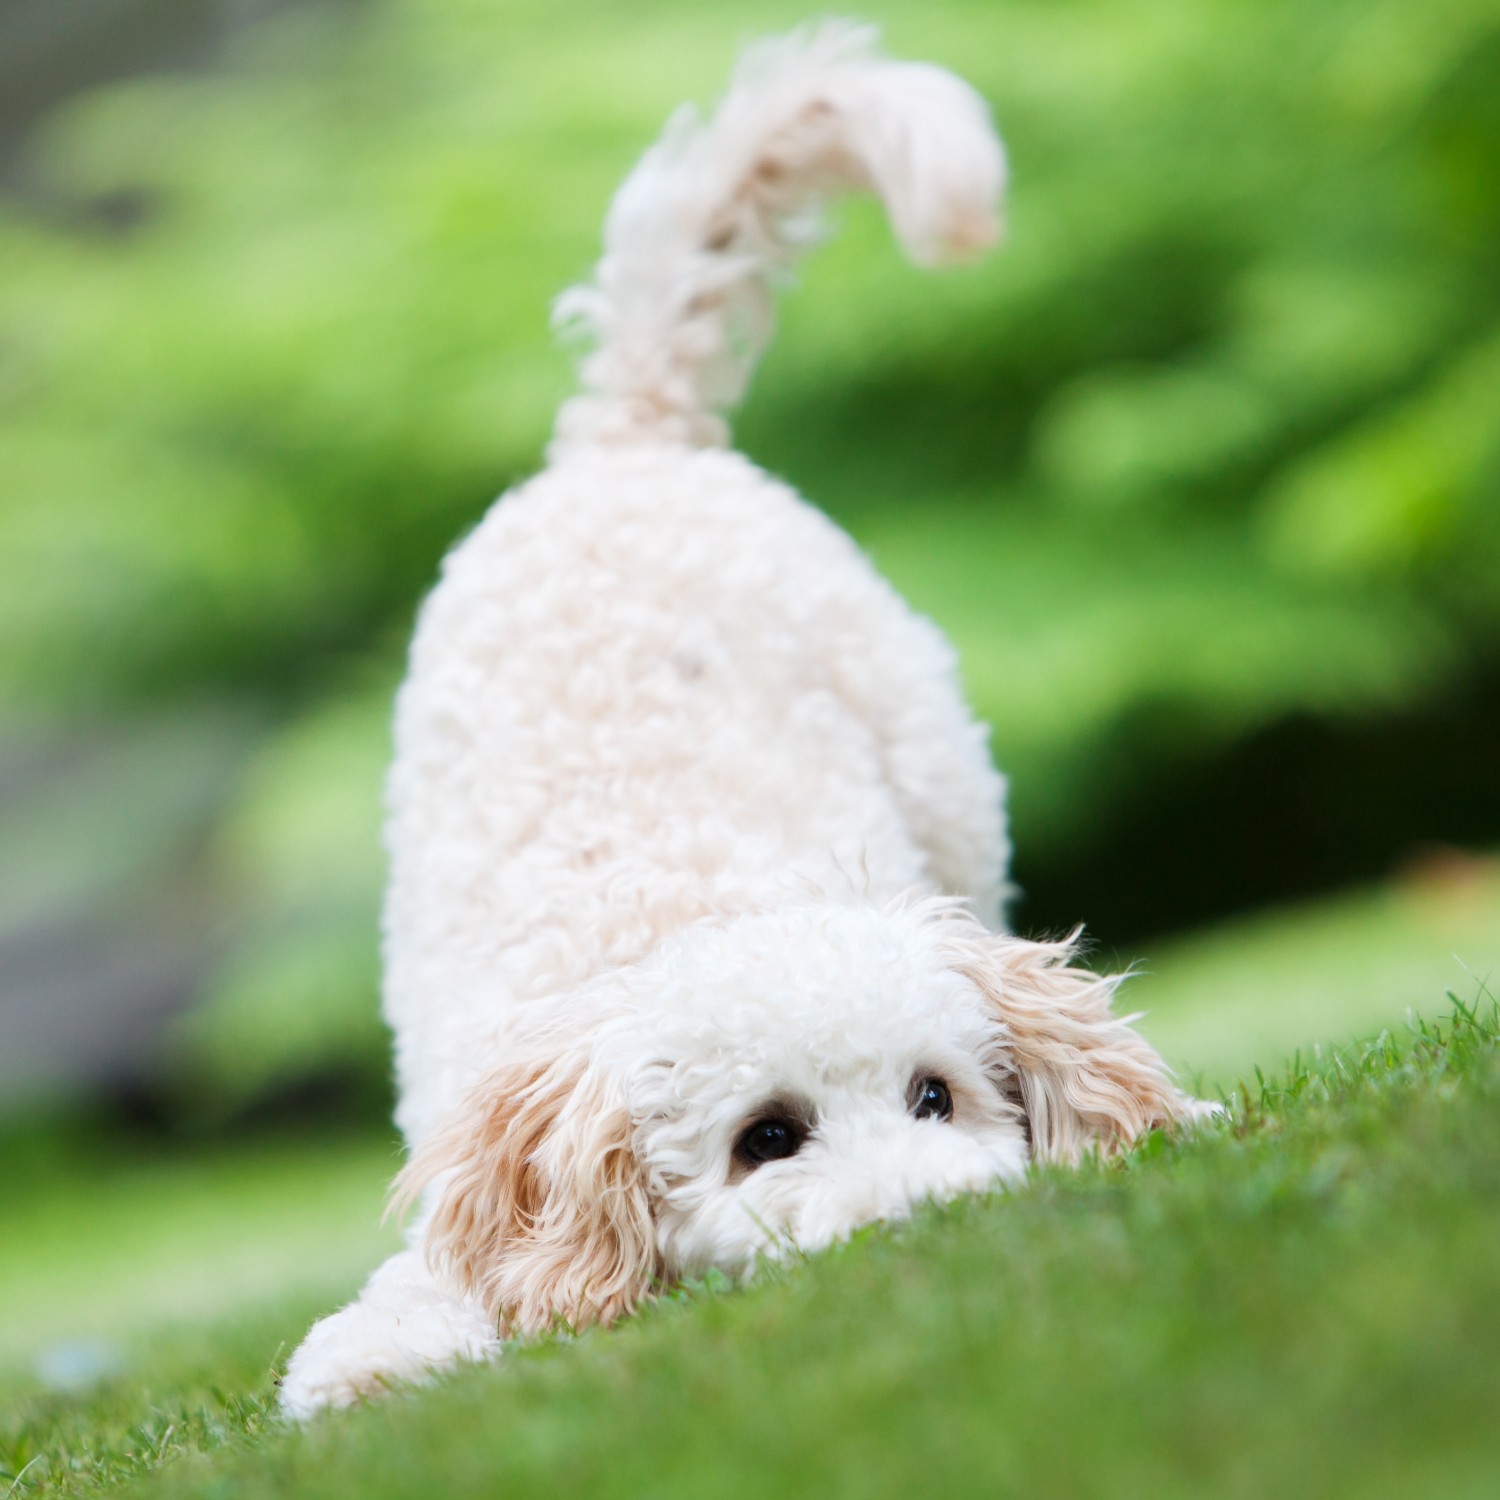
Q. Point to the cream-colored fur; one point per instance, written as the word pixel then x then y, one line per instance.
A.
pixel 689 825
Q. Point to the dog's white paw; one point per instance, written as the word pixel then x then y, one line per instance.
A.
pixel 348 1357
pixel 1196 1112
pixel 379 1342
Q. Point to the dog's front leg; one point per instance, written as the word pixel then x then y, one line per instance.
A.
pixel 405 1325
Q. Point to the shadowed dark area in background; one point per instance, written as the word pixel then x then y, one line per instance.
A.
pixel 1356 801
pixel 50 49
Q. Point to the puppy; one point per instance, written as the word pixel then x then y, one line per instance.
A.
pixel 693 939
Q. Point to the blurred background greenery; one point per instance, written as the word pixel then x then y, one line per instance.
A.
pixel 1201 474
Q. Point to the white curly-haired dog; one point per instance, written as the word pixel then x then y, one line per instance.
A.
pixel 693 939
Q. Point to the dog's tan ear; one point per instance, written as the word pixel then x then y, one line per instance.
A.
pixel 1087 1079
pixel 535 1199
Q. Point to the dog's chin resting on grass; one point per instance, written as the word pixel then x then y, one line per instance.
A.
pixel 693 938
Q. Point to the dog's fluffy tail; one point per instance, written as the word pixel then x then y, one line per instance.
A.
pixel 680 305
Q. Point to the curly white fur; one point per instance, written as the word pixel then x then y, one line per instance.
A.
pixel 681 302
pixel 689 825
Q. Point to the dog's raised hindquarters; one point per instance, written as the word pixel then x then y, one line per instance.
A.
pixel 692 942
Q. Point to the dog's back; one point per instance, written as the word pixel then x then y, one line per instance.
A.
pixel 653 685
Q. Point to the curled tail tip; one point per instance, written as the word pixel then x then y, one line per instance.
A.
pixel 680 305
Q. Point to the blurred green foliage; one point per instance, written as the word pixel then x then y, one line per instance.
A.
pixel 1219 431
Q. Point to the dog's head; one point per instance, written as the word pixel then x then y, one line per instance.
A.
pixel 769 1083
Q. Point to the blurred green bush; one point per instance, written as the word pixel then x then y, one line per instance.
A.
pixel 1220 430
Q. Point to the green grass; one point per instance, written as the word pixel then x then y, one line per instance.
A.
pixel 112 1249
pixel 1305 1300
pixel 1220 1001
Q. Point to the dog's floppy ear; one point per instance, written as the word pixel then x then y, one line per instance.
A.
pixel 534 1198
pixel 1087 1079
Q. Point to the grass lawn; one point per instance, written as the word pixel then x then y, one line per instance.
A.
pixel 105 1250
pixel 1303 1301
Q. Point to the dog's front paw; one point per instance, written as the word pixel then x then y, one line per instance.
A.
pixel 1195 1112
pixel 347 1358
pixel 367 1348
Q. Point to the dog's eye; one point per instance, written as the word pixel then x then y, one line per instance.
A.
pixel 769 1140
pixel 931 1100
